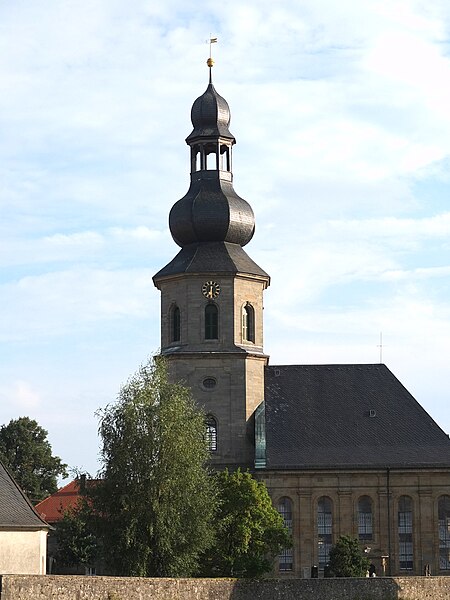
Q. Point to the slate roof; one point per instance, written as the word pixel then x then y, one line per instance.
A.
pixel 211 211
pixel 220 257
pixel 16 512
pixel 52 508
pixel 318 416
pixel 210 116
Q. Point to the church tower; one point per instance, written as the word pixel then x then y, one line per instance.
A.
pixel 212 291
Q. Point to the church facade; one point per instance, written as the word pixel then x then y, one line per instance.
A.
pixel 343 449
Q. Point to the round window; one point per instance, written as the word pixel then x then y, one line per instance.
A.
pixel 209 383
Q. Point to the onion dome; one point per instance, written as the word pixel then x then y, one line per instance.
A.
pixel 211 211
pixel 210 116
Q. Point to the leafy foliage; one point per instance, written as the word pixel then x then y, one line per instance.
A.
pixel 26 452
pixel 77 543
pixel 250 531
pixel 154 507
pixel 346 558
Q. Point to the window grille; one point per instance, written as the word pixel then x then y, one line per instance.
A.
pixel 324 530
pixel 444 532
pixel 405 531
pixel 365 526
pixel 286 557
pixel 209 383
pixel 211 433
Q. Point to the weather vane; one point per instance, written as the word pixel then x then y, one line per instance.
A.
pixel 210 62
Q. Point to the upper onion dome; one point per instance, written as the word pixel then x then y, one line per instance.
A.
pixel 211 211
pixel 210 116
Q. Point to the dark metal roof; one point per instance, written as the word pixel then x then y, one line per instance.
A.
pixel 219 257
pixel 211 211
pixel 210 116
pixel 319 416
pixel 16 512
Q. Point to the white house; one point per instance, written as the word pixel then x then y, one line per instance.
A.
pixel 23 534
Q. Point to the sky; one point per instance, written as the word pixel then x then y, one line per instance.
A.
pixel 342 120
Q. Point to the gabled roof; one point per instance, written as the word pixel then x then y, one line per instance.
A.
pixel 52 508
pixel 16 511
pixel 320 416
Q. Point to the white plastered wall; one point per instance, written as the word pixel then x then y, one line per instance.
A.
pixel 23 552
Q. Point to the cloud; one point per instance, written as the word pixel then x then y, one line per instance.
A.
pixel 21 396
pixel 436 226
pixel 341 117
pixel 57 303
pixel 115 244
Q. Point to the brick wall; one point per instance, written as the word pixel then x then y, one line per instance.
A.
pixel 60 587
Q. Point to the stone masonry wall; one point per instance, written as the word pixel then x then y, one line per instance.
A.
pixel 61 587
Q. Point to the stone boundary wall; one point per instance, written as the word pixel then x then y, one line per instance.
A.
pixel 68 587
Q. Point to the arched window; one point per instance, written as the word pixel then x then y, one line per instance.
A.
pixel 211 433
pixel 286 558
pixel 444 532
pixel 405 533
pixel 175 324
pixel 324 529
pixel 365 528
pixel 211 322
pixel 248 323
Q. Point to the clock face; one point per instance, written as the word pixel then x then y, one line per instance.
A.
pixel 210 289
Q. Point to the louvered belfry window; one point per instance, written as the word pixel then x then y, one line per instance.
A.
pixel 211 322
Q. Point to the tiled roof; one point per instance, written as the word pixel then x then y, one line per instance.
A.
pixel 16 512
pixel 221 257
pixel 320 416
pixel 53 507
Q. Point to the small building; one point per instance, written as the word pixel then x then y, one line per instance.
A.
pixel 52 509
pixel 23 533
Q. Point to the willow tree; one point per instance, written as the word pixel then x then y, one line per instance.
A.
pixel 155 503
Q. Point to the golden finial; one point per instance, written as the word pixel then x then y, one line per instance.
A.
pixel 210 61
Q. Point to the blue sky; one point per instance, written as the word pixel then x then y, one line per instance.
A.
pixel 341 114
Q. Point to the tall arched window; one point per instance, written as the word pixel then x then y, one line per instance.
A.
pixel 248 323
pixel 211 433
pixel 365 528
pixel 175 324
pixel 211 322
pixel 324 529
pixel 405 533
pixel 286 558
pixel 444 532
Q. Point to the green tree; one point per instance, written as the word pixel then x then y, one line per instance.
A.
pixel 27 453
pixel 155 504
pixel 250 531
pixel 77 542
pixel 346 558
